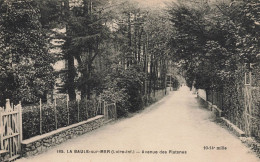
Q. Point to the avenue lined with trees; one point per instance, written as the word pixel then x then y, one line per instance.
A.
pixel 124 53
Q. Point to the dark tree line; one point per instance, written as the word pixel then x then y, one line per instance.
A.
pixel 217 45
pixel 112 48
pixel 212 40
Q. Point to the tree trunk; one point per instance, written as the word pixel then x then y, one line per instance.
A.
pixel 71 67
pixel 139 45
pixel 129 57
pixel 90 60
pixel 151 75
pixel 83 84
pixel 71 77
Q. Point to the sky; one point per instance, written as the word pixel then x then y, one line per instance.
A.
pixel 153 3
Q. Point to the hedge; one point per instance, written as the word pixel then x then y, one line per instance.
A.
pixel 78 111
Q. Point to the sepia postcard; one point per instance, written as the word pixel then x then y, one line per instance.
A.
pixel 129 81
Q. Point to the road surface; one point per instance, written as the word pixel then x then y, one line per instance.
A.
pixel 175 129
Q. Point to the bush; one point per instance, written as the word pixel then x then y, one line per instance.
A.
pixel 48 118
pixel 118 96
pixel 124 87
pixel 135 99
pixel 83 115
pixel 31 122
pixel 31 115
pixel 73 112
pixel 62 114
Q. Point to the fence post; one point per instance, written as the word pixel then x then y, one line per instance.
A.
pixel 212 97
pixel 8 106
pixel 103 107
pixel 40 116
pixel 68 109
pixel 55 111
pixel 115 111
pixel 105 110
pixel 222 108
pixel 87 109
pixel 100 106
pixel 78 109
pixel 20 125
pixel 1 129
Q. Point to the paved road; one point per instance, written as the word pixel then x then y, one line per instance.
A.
pixel 176 123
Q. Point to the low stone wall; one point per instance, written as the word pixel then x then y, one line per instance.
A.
pixel 4 156
pixel 202 94
pixel 238 132
pixel 211 107
pixel 39 144
pixel 248 141
pixel 216 111
pixel 252 144
pixel 219 114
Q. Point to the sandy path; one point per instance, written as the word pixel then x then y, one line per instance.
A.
pixel 176 123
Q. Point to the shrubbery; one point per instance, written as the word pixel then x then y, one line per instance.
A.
pixel 31 122
pixel 124 87
pixel 31 116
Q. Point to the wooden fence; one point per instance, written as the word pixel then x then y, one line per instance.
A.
pixel 60 112
pixel 241 103
pixel 11 129
pixel 216 98
pixel 11 123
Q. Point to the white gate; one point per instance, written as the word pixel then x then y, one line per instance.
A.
pixel 11 129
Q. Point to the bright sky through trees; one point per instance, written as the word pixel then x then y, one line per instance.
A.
pixel 153 3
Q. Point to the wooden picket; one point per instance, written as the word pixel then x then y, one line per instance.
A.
pixel 11 129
